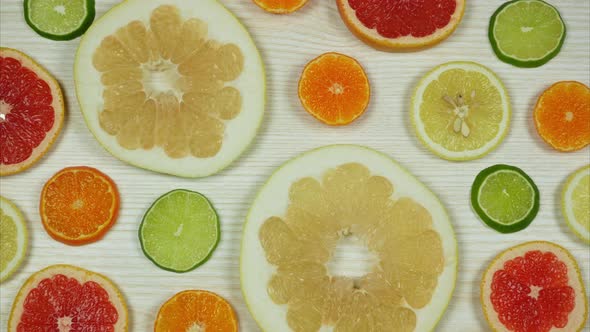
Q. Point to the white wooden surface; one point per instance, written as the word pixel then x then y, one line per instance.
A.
pixel 286 44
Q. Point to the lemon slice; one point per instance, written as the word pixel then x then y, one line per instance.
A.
pixel 13 238
pixel 461 111
pixel 575 203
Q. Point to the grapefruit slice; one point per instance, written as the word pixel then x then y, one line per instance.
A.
pixel 347 201
pixel 400 24
pixel 535 286
pixel 31 111
pixel 172 86
pixel 68 298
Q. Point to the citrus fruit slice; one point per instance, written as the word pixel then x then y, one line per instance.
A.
pixel 59 20
pixel 562 115
pixel 334 89
pixel 534 286
pixel 400 24
pixel 505 198
pixel 526 33
pixel 347 201
pixel 79 205
pixel 460 111
pixel 280 6
pixel 68 298
pixel 13 238
pixel 31 111
pixel 196 310
pixel 575 203
pixel 172 86
pixel 179 231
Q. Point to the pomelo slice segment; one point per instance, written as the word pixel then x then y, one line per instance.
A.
pixel 29 98
pixel 313 203
pixel 575 203
pixel 400 24
pixel 534 286
pixel 13 238
pixel 68 298
pixel 172 86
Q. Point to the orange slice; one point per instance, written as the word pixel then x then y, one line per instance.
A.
pixel 79 205
pixel 334 89
pixel 280 6
pixel 196 310
pixel 562 116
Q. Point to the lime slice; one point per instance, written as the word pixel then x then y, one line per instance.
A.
pixel 575 203
pixel 179 231
pixel 460 111
pixel 59 19
pixel 526 33
pixel 505 198
pixel 13 238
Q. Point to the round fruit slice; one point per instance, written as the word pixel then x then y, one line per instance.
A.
pixel 177 88
pixel 179 231
pixel 575 203
pixel 526 33
pixel 314 206
pixel 68 298
pixel 401 24
pixel 460 111
pixel 280 6
pixel 196 310
pixel 59 20
pixel 505 198
pixel 562 115
pixel 79 205
pixel 31 111
pixel 535 286
pixel 334 89
pixel 13 238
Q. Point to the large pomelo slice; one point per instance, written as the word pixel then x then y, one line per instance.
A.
pixel 392 25
pixel 68 298
pixel 535 286
pixel 31 111
pixel 173 86
pixel 326 213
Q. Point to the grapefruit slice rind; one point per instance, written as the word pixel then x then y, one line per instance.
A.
pixel 515 259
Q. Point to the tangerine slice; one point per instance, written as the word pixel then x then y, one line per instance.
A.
pixel 562 116
pixel 196 310
pixel 280 6
pixel 79 205
pixel 334 89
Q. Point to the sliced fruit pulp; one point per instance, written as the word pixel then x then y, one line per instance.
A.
pixel 398 18
pixel 165 85
pixel 8 240
pixel 60 302
pixel 461 110
pixel 528 21
pixel 180 230
pixel 26 114
pixel 196 311
pixel 581 202
pixel 532 293
pixel 280 6
pixel 506 197
pixel 57 17
pixel 350 201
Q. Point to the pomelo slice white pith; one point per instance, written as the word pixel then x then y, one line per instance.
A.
pixel 219 28
pixel 276 198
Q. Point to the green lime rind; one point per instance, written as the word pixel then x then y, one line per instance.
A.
pixel 198 262
pixel 517 225
pixel 516 61
pixel 69 35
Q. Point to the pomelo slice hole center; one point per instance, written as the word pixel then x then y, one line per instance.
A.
pixel 5 109
pixel 351 258
pixel 161 77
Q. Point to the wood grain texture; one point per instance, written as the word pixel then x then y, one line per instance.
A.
pixel 286 44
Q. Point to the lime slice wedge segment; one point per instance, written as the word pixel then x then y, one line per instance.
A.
pixel 13 238
pixel 179 231
pixel 59 19
pixel 527 33
pixel 575 203
pixel 505 198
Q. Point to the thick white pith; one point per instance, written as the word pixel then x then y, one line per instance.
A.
pixel 11 210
